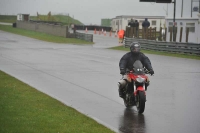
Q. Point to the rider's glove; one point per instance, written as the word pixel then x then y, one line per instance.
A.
pixel 151 72
pixel 122 71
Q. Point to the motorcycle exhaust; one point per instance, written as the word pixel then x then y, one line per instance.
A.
pixel 122 83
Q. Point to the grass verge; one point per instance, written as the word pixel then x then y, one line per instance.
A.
pixel 8 18
pixel 160 53
pixel 42 36
pixel 23 109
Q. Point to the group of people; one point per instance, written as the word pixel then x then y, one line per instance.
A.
pixel 134 24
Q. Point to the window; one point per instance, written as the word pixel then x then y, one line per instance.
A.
pixel 117 22
pixel 170 27
pixel 191 27
pixel 141 21
pixel 153 23
pixel 170 23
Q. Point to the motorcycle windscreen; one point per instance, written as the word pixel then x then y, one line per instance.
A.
pixel 138 67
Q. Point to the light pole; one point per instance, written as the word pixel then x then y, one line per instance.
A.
pixel 182 10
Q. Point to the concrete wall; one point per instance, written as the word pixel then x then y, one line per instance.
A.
pixel 57 30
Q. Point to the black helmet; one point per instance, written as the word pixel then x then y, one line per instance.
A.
pixel 135 47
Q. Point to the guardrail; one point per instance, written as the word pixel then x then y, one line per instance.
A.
pixel 186 48
pixel 83 36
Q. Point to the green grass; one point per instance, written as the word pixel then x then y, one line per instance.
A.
pixel 160 53
pixel 42 36
pixel 23 109
pixel 65 20
pixel 8 18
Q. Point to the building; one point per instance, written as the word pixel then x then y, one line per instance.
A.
pixel 191 23
pixel 23 17
pixel 120 22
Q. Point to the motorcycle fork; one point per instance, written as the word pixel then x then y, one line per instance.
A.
pixel 135 91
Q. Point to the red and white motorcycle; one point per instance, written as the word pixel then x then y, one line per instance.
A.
pixel 136 78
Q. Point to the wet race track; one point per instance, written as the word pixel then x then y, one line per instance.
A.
pixel 85 78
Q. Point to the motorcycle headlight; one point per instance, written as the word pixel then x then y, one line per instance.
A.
pixel 140 79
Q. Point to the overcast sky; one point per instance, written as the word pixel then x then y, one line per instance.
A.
pixel 92 11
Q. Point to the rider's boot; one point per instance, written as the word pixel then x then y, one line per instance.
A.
pixel 147 82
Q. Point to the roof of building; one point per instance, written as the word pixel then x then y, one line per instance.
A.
pixel 182 18
pixel 141 17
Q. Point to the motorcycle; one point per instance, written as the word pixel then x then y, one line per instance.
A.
pixel 134 84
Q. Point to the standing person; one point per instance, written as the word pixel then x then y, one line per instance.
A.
pixel 146 23
pixel 121 35
pixel 131 23
pixel 137 28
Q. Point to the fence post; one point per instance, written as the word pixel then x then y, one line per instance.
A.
pixel 155 33
pixel 160 38
pixel 150 36
pixel 187 34
pixel 146 32
pixel 138 32
pixel 165 36
pixel 127 31
pixel 135 35
pixel 142 32
pixel 181 32
pixel 131 32
pixel 175 33
pixel 170 29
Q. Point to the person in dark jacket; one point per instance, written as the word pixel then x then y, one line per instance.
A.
pixel 137 27
pixel 131 23
pixel 127 61
pixel 146 23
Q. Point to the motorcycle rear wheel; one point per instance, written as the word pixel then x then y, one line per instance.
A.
pixel 127 101
pixel 140 102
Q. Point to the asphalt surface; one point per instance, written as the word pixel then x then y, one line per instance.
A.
pixel 85 78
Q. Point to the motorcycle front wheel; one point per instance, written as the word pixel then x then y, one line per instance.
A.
pixel 140 102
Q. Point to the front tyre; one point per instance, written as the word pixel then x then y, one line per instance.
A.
pixel 140 101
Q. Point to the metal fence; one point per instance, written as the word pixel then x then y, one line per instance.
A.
pixel 175 47
pixel 83 36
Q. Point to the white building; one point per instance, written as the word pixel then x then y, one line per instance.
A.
pixel 120 22
pixel 191 23
pixel 23 17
